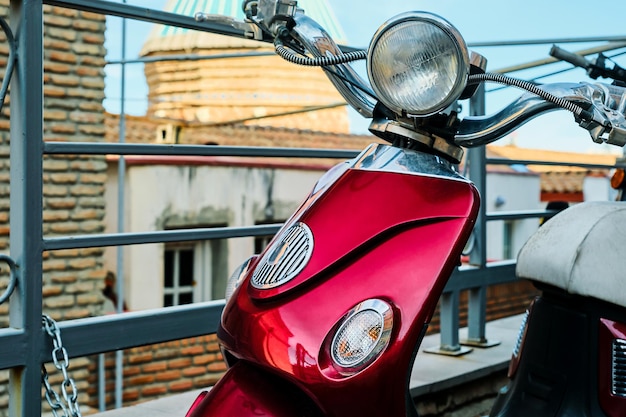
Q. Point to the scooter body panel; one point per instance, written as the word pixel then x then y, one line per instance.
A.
pixel 246 392
pixel 564 367
pixel 387 235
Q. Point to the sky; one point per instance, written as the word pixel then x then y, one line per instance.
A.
pixel 479 21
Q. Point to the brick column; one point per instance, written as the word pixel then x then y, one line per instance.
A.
pixel 74 58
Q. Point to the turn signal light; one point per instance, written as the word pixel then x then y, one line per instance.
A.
pixel 361 337
pixel 617 180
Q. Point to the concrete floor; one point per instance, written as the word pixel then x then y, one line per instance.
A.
pixel 431 372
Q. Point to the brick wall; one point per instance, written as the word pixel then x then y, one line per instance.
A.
pixel 503 300
pixel 73 185
pixel 153 371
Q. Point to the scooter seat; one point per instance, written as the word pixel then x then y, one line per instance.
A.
pixel 581 250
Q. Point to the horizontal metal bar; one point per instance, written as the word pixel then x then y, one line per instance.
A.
pixel 505 161
pixel 12 348
pixel 466 277
pixel 550 60
pixel 93 335
pixel 157 16
pixel 88 148
pixel 120 239
pixel 112 332
pixel 147 15
pixel 188 57
pixel 520 214
pixel 549 41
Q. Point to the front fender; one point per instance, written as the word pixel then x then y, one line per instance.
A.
pixel 246 391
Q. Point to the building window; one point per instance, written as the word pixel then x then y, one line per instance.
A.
pixel 195 272
pixel 507 240
pixel 179 277
pixel 261 242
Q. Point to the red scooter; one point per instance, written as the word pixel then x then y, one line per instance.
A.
pixel 328 319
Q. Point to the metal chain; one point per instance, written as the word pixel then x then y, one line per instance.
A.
pixel 69 405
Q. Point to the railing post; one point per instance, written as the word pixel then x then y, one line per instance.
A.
pixel 477 297
pixel 26 202
pixel 449 327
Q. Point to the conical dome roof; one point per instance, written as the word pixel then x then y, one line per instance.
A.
pixel 169 38
pixel 227 84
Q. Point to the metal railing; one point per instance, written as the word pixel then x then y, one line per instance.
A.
pixel 23 346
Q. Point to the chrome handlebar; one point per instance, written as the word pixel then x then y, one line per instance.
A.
pixel 607 104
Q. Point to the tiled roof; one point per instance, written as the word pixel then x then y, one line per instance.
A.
pixel 557 182
pixel 144 130
pixel 141 129
pixel 526 154
pixel 554 179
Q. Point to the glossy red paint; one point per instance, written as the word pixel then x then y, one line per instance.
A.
pixel 246 392
pixel 362 206
pixel 390 236
pixel 196 403
pixel 611 404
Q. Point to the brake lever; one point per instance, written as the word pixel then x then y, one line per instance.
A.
pixel 249 30
pixel 608 113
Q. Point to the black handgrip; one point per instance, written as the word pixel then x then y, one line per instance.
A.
pixel 572 58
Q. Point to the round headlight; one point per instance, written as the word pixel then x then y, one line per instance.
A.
pixel 362 336
pixel 418 64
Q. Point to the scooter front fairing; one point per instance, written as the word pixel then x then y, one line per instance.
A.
pixel 245 391
pixel 377 240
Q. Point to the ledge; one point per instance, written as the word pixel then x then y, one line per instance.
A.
pixel 432 373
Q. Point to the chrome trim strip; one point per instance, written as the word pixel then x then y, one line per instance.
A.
pixel 387 158
pixel 385 314
pixel 618 368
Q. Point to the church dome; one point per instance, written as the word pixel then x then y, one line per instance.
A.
pixel 232 80
pixel 163 38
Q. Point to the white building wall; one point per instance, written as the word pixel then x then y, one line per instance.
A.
pixel 160 197
pixel 598 189
pixel 510 192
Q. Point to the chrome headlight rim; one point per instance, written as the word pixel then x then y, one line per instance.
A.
pixel 379 308
pixel 462 54
pixel 237 277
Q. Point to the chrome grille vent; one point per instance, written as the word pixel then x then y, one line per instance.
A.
pixel 520 335
pixel 618 380
pixel 285 259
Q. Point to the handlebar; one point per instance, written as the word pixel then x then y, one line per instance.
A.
pixel 606 102
pixel 346 80
pixel 598 108
pixel 594 69
pixel 567 56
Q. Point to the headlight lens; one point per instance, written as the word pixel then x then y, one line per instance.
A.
pixel 418 64
pixel 236 278
pixel 362 336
